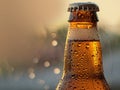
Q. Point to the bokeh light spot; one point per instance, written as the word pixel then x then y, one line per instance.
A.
pixel 30 70
pixel 46 63
pixel 53 35
pixel 54 43
pixel 46 87
pixel 35 60
pixel 56 70
pixel 31 75
pixel 12 69
pixel 41 82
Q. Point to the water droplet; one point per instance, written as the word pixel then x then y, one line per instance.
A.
pixel 73 76
pixel 81 65
pixel 75 52
pixel 79 45
pixel 87 46
pixel 82 88
pixel 81 75
pixel 85 69
pixel 73 44
pixel 97 82
pixel 74 87
pixel 83 54
pixel 92 55
pixel 77 55
pixel 82 59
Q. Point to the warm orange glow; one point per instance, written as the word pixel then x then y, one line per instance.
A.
pixel 81 25
pixel 95 59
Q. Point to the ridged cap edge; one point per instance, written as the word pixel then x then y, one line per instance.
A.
pixel 83 6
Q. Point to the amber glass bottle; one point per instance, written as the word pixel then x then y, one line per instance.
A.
pixel 83 57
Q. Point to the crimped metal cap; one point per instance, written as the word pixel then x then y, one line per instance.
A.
pixel 83 6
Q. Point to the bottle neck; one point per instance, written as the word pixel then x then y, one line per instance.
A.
pixel 82 49
pixel 82 31
pixel 83 25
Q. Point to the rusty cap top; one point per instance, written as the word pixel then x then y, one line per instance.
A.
pixel 83 6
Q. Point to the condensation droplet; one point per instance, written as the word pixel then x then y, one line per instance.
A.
pixel 73 44
pixel 77 55
pixel 74 87
pixel 81 65
pixel 81 59
pixel 87 47
pixel 83 54
pixel 79 45
pixel 75 52
pixel 93 56
pixel 82 88
pixel 85 69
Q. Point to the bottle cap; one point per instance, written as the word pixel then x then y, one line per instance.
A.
pixel 83 6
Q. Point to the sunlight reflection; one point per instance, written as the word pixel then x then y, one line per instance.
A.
pixel 95 52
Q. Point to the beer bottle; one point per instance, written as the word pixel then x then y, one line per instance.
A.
pixel 83 57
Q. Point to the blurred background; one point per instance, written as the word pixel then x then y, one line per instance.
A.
pixel 32 39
